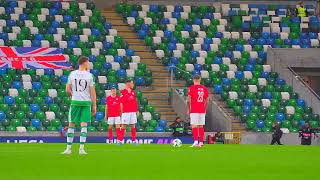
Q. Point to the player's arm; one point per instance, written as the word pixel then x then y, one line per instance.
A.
pixel 106 113
pixel 122 100
pixel 68 90
pixel 93 99
pixel 206 103
pixel 68 87
pixel 93 95
pixel 189 100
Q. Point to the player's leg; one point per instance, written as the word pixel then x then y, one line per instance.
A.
pixel 83 137
pixel 133 121
pixel 201 123
pixel 194 127
pixel 73 117
pixel 273 141
pixel 122 132
pixel 84 119
pixel 70 134
pixel 201 135
pixel 278 141
pixel 118 128
pixel 111 121
pixel 124 121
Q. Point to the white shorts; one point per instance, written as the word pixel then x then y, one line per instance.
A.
pixel 114 120
pixel 129 118
pixel 198 119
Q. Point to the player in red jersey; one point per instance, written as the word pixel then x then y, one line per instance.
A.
pixel 113 107
pixel 197 102
pixel 129 110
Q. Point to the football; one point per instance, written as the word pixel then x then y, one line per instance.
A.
pixel 177 143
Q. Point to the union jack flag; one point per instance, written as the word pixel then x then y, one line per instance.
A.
pixel 32 58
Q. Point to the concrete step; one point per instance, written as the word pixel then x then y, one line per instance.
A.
pixel 154 98
pixel 128 34
pixel 239 129
pixel 111 15
pixel 151 60
pixel 170 85
pixel 146 54
pixel 154 91
pixel 157 105
pixel 169 113
pixel 153 65
pixel 116 22
pixel 160 76
pixel 112 18
pixel 158 99
pixel 139 48
pixel 160 103
pixel 133 41
pixel 122 29
pixel 162 80
pixel 158 68
pixel 164 109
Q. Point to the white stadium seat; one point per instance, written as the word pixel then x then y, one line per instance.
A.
pixel 50 115
pixel 265 102
pixel 146 116
pixel 13 92
pixel 52 93
pixel 121 86
pixel 233 95
pixel 26 78
pixel 102 79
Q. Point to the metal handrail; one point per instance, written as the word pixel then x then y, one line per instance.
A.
pixel 303 82
pixel 298 77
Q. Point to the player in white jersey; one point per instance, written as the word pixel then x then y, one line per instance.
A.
pixel 80 87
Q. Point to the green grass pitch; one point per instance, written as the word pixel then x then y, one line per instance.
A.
pixel 104 161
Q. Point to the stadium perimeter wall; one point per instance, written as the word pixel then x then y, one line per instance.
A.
pixel 143 138
pixel 265 138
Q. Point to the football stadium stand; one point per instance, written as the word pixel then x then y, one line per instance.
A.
pixel 228 49
pixel 35 99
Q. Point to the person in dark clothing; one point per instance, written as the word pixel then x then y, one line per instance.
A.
pixel 306 134
pixel 187 129
pixel 291 12
pixel 218 138
pixel 276 134
pixel 178 127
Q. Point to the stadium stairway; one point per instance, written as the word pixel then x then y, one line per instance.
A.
pixel 157 95
pixel 236 125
